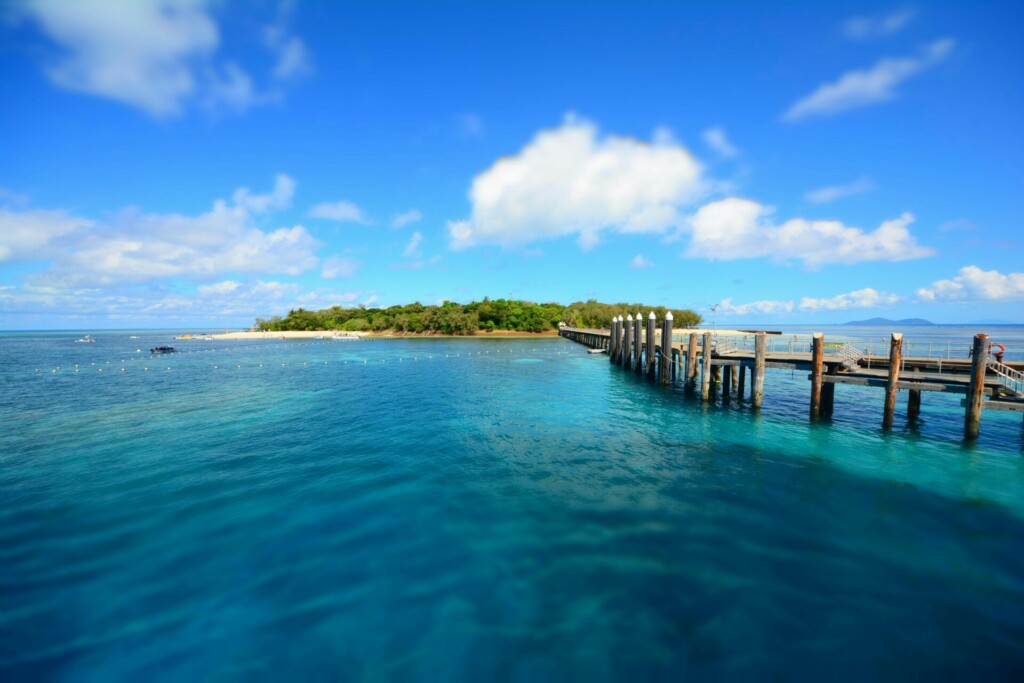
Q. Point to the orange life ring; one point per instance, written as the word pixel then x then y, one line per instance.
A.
pixel 1002 350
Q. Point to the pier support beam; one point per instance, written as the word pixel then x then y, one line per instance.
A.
pixel 742 384
pixel 666 349
pixel 691 363
pixel 627 343
pixel 976 389
pixel 892 385
pixel 760 351
pixel 649 370
pixel 638 347
pixel 914 404
pixel 705 375
pixel 726 382
pixel 817 366
pixel 828 396
pixel 613 341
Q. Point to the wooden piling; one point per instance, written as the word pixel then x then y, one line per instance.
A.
pixel 627 343
pixel 976 389
pixel 817 365
pixel 741 370
pixel 691 363
pixel 613 340
pixel 638 347
pixel 828 395
pixel 726 382
pixel 649 370
pixel 666 349
pixel 892 385
pixel 760 351
pixel 914 404
pixel 705 375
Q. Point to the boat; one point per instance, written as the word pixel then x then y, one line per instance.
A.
pixel 319 336
pixel 597 351
pixel 86 340
pixel 207 338
pixel 342 337
pixel 134 336
pixel 185 336
pixel 162 349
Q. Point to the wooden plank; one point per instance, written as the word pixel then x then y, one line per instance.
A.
pixel 1011 406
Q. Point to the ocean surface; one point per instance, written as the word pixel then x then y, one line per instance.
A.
pixel 486 509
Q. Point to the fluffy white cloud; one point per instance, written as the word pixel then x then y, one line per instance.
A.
pixel 157 55
pixel 639 262
pixel 870 86
pixel 293 59
pixel 412 248
pixel 572 181
pixel 31 234
pixel 974 284
pixel 135 247
pixel 863 28
pixel 406 218
pixel 727 307
pixel 341 211
pixel 834 192
pixel 741 228
pixel 339 267
pixel 716 139
pixel 862 298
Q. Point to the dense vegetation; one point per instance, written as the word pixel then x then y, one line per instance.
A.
pixel 453 318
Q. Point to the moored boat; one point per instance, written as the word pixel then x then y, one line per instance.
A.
pixel 162 349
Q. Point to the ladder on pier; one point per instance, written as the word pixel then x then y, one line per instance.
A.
pixel 1011 380
pixel 850 356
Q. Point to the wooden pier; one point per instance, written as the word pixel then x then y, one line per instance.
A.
pixel 714 366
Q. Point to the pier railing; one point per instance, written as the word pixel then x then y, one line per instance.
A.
pixel 1012 380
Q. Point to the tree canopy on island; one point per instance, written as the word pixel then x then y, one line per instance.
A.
pixel 466 319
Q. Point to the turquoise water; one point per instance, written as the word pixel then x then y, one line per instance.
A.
pixel 467 509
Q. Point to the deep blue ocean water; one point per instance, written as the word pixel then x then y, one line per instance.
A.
pixel 485 509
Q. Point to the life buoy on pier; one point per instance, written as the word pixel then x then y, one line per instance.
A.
pixel 997 354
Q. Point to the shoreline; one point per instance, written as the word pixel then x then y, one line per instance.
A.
pixel 313 334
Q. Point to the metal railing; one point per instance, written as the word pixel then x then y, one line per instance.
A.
pixel 1012 380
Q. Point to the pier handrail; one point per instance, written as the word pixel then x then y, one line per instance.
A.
pixel 1008 377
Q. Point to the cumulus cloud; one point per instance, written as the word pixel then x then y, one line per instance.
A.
pixel 639 262
pixel 727 307
pixel 862 298
pixel 31 234
pixel 716 139
pixel 405 218
pixel 342 211
pixel 412 248
pixel 132 246
pixel 833 192
pixel 972 283
pixel 870 86
pixel 736 228
pixel 865 28
pixel 158 55
pixel 573 181
pixel 339 267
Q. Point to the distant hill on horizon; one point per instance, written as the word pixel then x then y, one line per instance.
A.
pixel 886 321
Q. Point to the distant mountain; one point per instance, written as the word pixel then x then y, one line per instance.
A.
pixel 990 321
pixel 872 322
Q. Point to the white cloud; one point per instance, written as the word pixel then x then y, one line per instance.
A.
pixel 834 192
pixel 862 298
pixel 336 267
pixel 974 284
pixel 864 28
pixel 736 228
pixel 727 307
pixel 569 180
pixel 870 86
pixel 639 262
pixel 341 211
pixel 293 59
pixel 31 234
pixel 716 139
pixel 132 246
pixel 406 218
pixel 158 55
pixel 412 248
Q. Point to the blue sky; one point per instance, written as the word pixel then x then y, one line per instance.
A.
pixel 171 164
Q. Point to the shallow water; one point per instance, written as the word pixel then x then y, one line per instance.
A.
pixel 462 509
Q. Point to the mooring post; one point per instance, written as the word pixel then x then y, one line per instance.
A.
pixel 760 351
pixel 691 363
pixel 649 370
pixel 893 383
pixel 817 364
pixel 627 343
pixel 613 355
pixel 638 348
pixel 741 370
pixel 735 378
pixel 976 389
pixel 726 382
pixel 828 395
pixel 666 349
pixel 705 375
pixel 914 404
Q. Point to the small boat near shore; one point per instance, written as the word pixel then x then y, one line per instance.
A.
pixel 85 340
pixel 597 351
pixel 162 349
pixel 342 337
